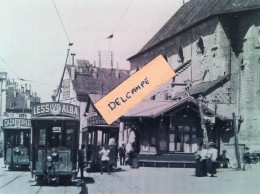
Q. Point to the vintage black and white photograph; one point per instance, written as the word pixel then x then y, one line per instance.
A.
pixel 198 132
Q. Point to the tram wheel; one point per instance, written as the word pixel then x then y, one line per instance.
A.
pixel 11 167
pixel 254 160
pixel 39 179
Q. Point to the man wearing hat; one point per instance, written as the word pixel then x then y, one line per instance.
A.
pixel 122 151
pixel 212 159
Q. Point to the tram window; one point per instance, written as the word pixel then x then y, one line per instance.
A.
pixel 56 136
pixel 69 137
pixel 10 139
pixel 42 138
pixel 26 139
pixel 21 138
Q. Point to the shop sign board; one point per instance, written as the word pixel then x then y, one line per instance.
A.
pixel 97 120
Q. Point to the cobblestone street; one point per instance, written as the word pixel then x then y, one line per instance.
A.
pixel 143 180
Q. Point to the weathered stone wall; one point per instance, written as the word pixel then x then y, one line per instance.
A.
pixel 249 106
pixel 230 48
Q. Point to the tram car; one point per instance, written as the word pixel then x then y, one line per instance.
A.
pixel 17 133
pixel 55 141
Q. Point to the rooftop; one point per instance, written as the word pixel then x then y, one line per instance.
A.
pixel 98 80
pixel 193 12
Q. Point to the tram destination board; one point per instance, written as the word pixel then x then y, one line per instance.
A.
pixel 55 109
pixel 16 122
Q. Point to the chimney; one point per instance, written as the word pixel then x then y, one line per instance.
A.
pixel 94 71
pixel 25 88
pixel 72 69
pixel 111 59
pixel 30 87
pixel 73 55
pixel 99 58
pixel 117 74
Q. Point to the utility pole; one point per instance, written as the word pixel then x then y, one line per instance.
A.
pixel 236 142
pixel 202 122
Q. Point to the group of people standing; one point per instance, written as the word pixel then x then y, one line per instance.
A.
pixel 206 160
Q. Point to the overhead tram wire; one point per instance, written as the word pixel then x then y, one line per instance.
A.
pixel 68 51
pixel 121 18
pixel 18 77
pixel 61 22
pixel 9 67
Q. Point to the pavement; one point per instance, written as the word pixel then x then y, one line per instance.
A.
pixel 144 180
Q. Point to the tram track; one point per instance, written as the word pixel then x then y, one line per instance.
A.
pixel 3 174
pixel 38 190
pixel 18 176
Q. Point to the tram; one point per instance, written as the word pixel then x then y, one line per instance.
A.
pixel 17 143
pixel 55 141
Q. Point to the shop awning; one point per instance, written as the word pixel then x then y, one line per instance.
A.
pixel 155 108
pixel 205 87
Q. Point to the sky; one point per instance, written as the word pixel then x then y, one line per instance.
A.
pixel 33 43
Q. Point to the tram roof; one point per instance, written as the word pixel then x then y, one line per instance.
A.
pixel 14 128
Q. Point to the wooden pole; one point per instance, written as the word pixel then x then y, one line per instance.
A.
pixel 236 142
pixel 202 122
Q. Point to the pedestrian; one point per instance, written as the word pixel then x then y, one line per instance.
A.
pixel 224 159
pixel 122 152
pixel 112 155
pixel 81 161
pixel 104 159
pixel 212 159
pixel 197 159
pixel 203 163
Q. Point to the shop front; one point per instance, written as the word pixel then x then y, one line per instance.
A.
pixel 169 131
pixel 97 133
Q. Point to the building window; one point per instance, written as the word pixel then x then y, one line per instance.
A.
pixel 200 46
pixel 181 55
pixel 12 104
pixel 180 138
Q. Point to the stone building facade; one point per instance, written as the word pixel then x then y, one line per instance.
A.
pixel 213 46
pixel 83 80
pixel 15 102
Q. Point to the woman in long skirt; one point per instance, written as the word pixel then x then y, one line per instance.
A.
pixel 212 159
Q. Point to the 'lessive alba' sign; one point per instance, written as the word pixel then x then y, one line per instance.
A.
pixel 56 108
pixel 134 89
